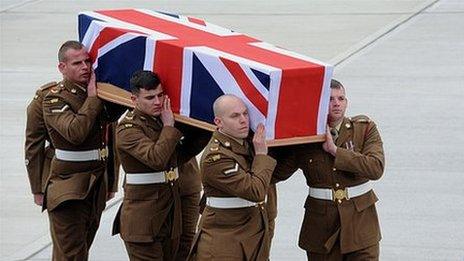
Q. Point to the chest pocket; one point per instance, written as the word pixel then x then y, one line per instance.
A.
pixel 358 137
pixel 314 167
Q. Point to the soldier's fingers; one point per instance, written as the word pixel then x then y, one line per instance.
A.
pixel 168 103
pixel 165 103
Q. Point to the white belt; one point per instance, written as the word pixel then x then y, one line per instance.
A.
pixel 234 202
pixel 152 177
pixel 347 193
pixel 84 155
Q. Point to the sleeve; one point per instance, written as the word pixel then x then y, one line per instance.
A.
pixel 227 175
pixel 155 154
pixel 73 126
pixel 34 147
pixel 368 163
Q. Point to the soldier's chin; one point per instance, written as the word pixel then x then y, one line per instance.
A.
pixel 83 80
pixel 243 134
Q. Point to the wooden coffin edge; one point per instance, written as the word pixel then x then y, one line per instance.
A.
pixel 120 96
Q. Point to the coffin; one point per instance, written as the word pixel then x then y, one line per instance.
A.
pixel 198 61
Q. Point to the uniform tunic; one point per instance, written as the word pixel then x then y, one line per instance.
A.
pixel 230 169
pixel 149 219
pixel 39 154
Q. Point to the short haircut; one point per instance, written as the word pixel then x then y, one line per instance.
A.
pixel 66 46
pixel 147 80
pixel 334 84
pixel 218 103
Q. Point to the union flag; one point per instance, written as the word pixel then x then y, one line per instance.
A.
pixel 198 61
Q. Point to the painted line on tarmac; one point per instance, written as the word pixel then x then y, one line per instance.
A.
pixel 13 6
pixel 45 240
pixel 366 42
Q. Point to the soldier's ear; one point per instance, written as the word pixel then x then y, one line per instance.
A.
pixel 133 99
pixel 218 122
pixel 62 67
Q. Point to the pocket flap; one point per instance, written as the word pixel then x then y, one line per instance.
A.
pixel 141 192
pixel 365 201
pixel 315 205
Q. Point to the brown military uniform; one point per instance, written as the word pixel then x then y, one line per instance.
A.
pixel 230 169
pixel 333 230
pixel 37 154
pixel 190 190
pixel 149 219
pixel 75 193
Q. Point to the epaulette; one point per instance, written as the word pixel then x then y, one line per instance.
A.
pixel 360 119
pixel 214 146
pixel 55 89
pixel 47 86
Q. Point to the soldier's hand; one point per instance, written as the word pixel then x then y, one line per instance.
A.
pixel 259 140
pixel 167 117
pixel 38 199
pixel 329 145
pixel 92 85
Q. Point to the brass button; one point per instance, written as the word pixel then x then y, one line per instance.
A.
pixel 339 201
pixel 337 185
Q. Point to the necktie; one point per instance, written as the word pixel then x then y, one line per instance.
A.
pixel 334 133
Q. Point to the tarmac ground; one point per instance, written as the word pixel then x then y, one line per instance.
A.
pixel 402 62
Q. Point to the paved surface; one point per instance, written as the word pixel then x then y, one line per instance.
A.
pixel 402 62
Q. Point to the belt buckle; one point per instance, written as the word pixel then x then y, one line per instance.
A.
pixel 340 194
pixel 170 175
pixel 103 153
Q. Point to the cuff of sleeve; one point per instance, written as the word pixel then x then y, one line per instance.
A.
pixel 95 103
pixel 172 132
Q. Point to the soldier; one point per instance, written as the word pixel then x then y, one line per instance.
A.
pixel 190 190
pixel 150 150
pixel 236 177
pixel 78 186
pixel 340 221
